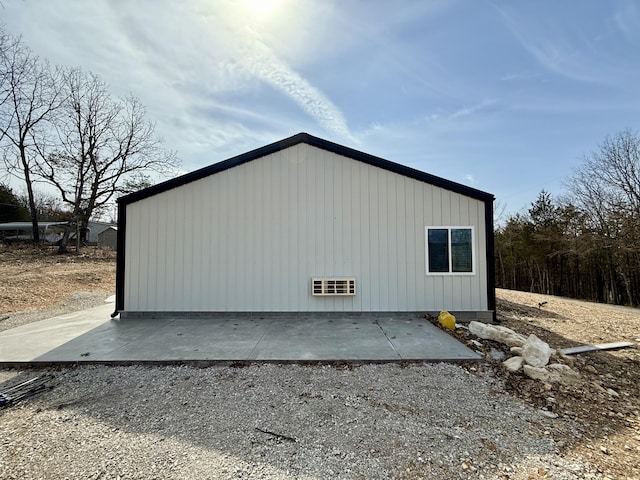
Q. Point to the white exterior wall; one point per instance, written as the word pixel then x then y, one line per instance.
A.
pixel 250 238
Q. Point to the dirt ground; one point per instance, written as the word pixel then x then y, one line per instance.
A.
pixel 605 405
pixel 38 278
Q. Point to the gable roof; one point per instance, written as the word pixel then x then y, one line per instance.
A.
pixel 316 142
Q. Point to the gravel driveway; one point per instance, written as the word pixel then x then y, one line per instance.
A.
pixel 278 422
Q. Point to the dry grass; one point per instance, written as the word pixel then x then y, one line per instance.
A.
pixel 36 278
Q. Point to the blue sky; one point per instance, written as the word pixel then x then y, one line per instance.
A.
pixel 504 96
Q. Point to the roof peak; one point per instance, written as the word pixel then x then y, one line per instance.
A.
pixel 314 141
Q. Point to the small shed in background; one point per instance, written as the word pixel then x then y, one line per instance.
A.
pixel 94 229
pixel 108 238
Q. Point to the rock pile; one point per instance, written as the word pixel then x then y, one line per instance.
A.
pixel 532 355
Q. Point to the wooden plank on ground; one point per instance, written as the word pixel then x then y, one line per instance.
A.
pixel 601 346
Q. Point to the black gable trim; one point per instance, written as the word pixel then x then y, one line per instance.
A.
pixel 316 142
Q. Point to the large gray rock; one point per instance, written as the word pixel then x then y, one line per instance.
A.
pixel 498 333
pixel 553 373
pixel 535 352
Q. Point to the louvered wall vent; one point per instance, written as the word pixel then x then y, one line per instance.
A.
pixel 333 286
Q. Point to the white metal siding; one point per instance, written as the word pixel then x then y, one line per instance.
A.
pixel 250 238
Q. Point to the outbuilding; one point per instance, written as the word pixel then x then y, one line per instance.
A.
pixel 305 225
pixel 108 238
pixel 94 229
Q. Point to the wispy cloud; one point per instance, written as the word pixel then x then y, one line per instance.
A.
pixel 471 109
pixel 516 76
pixel 189 64
pixel 627 19
pixel 546 53
pixel 556 48
pixel 256 51
pixel 438 122
pixel 260 61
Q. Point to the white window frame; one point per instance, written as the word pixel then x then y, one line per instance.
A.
pixel 449 228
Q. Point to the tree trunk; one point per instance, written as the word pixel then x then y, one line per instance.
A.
pixel 627 285
pixel 64 243
pixel 83 228
pixel 32 202
pixel 77 237
pixel 62 248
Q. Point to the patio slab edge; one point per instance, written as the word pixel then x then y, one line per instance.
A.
pixel 241 363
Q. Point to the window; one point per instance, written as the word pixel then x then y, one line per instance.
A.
pixel 449 250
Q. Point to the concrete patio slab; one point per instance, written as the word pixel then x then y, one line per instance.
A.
pixel 28 342
pixel 411 335
pixel 91 337
pixel 321 339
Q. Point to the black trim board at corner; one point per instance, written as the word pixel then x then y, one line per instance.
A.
pixel 338 149
pixel 491 262
pixel 120 255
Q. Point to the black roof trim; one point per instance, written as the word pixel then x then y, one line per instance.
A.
pixel 316 142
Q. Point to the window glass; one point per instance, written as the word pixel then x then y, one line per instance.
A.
pixel 461 250
pixel 438 249
pixel 449 250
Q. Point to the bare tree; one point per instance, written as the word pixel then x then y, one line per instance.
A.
pixel 5 42
pixel 606 188
pixel 29 96
pixel 608 183
pixel 105 145
pixel 50 208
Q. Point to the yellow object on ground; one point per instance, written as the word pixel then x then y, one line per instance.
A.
pixel 447 320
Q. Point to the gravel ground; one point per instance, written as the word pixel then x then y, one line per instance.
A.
pixel 278 422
